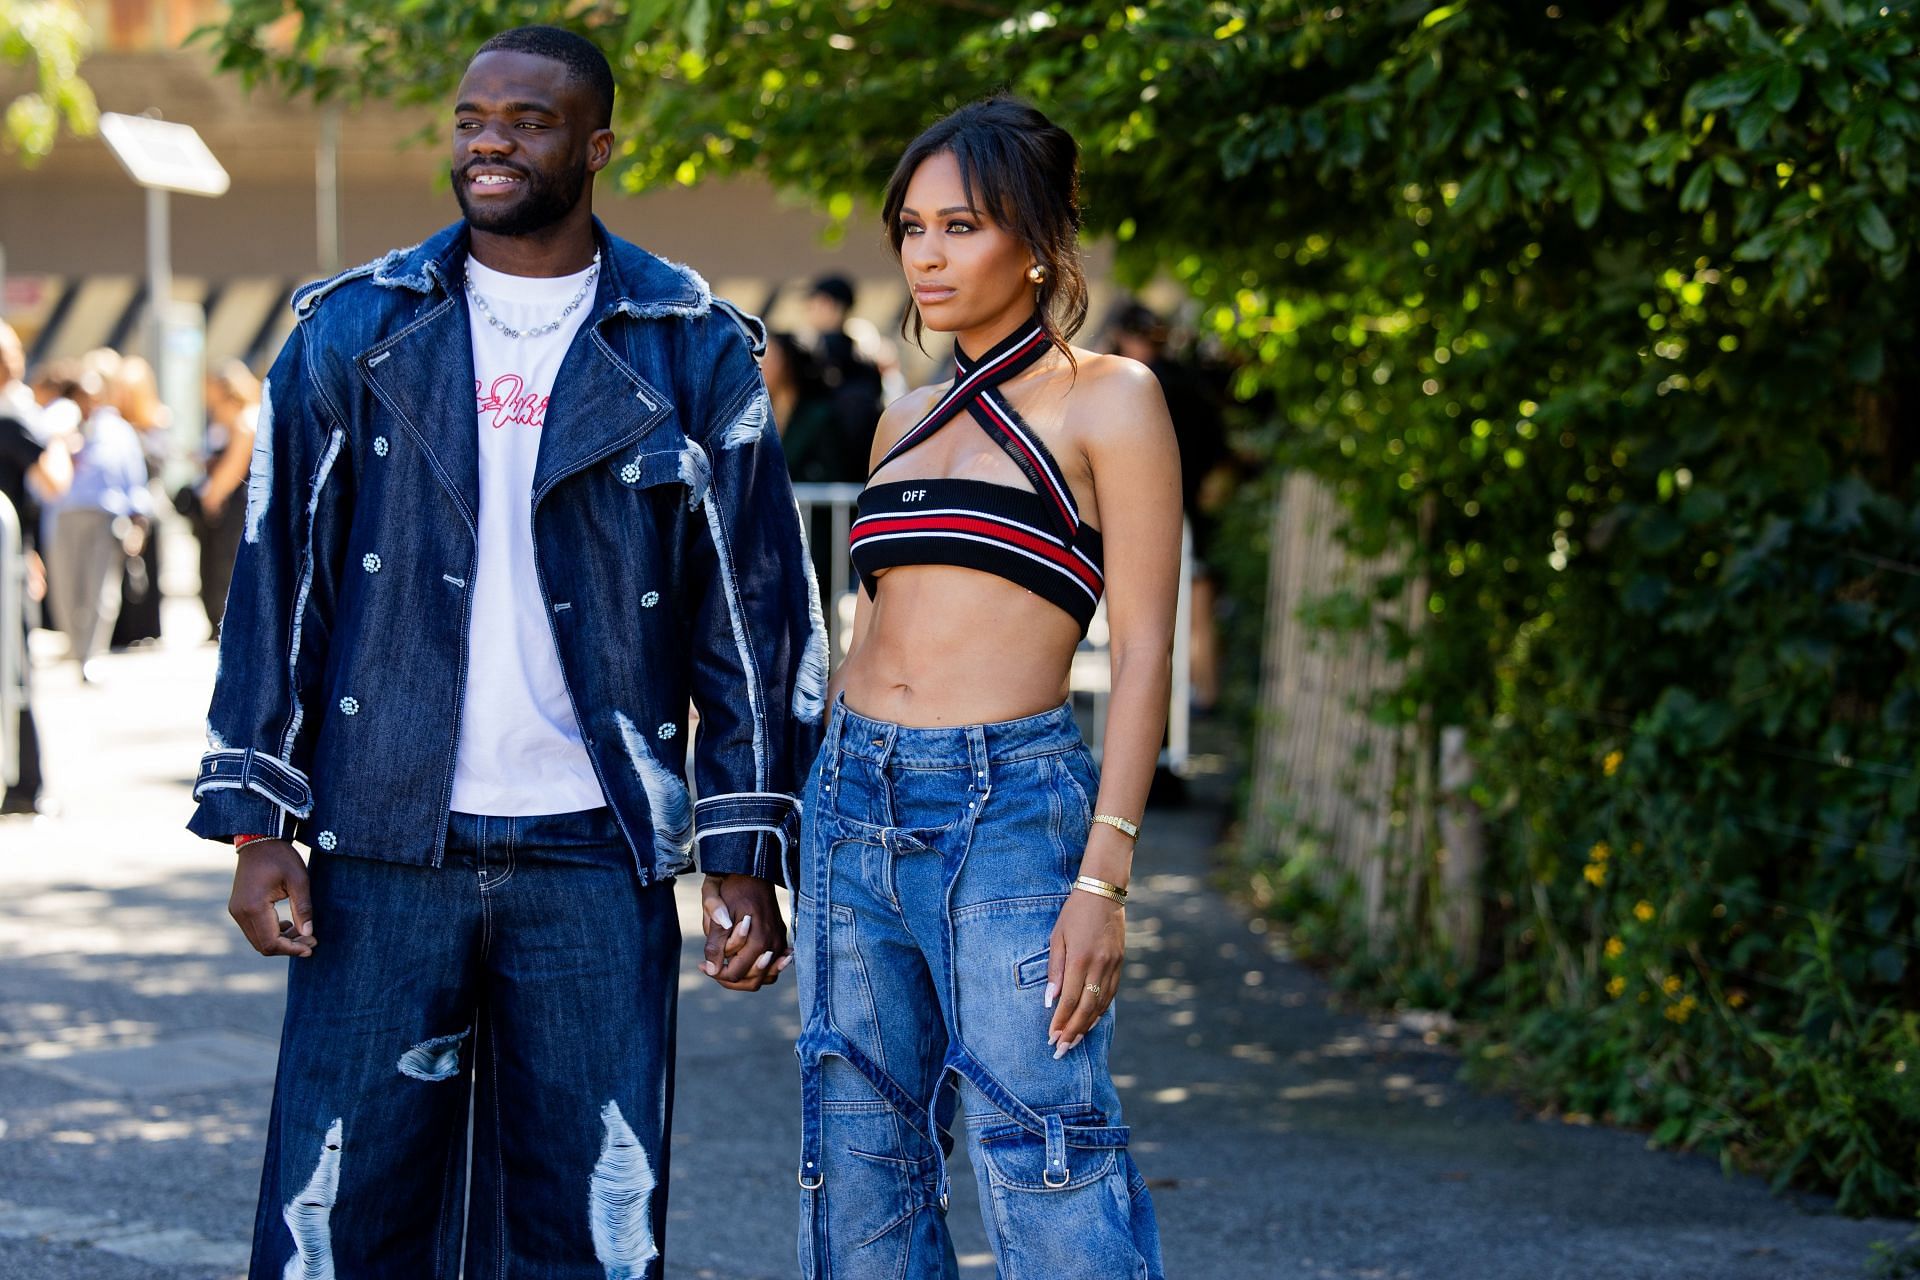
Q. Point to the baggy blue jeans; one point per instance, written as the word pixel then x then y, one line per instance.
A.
pixel 934 864
pixel 532 975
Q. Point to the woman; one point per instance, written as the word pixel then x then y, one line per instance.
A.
pixel 233 410
pixel 962 913
pixel 100 521
pixel 136 394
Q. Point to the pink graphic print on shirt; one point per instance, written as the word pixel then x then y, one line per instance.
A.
pixel 510 403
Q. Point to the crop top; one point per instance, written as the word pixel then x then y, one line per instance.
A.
pixel 1034 538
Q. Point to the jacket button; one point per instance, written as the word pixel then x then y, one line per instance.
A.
pixel 650 599
pixel 370 562
pixel 350 706
pixel 667 730
pixel 630 473
pixel 327 840
pixel 380 446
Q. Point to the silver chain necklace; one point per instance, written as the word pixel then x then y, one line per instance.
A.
pixel 586 286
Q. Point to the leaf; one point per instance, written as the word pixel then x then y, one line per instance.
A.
pixel 1783 88
pixel 1693 197
pixel 1873 228
pixel 1586 195
pixel 1728 90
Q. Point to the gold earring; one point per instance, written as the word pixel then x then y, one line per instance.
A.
pixel 1037 273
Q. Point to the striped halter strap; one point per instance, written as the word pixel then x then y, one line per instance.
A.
pixel 976 390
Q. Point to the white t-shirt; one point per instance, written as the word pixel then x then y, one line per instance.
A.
pixel 520 750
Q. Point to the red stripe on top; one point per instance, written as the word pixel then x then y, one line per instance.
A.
pixel 1051 551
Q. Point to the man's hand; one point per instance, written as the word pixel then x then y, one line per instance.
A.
pixel 268 871
pixel 746 938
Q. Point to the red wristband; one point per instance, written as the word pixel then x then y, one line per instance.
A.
pixel 241 842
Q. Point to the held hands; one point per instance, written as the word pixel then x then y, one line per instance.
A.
pixel 266 872
pixel 1083 969
pixel 746 939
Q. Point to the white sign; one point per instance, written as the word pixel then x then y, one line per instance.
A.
pixel 159 153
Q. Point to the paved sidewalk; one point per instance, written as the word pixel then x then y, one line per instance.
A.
pixel 1284 1139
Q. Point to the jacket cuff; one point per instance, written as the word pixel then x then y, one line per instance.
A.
pixel 249 793
pixel 752 833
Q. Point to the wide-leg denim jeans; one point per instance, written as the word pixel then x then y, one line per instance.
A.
pixel 531 976
pixel 935 862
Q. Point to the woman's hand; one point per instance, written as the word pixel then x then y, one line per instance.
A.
pixel 1083 969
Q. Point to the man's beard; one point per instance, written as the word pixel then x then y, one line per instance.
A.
pixel 542 203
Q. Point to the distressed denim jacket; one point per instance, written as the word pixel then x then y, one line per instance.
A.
pixel 666 538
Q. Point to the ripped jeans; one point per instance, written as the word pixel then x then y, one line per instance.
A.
pixel 531 974
pixel 934 863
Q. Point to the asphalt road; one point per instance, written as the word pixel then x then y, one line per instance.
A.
pixel 1284 1137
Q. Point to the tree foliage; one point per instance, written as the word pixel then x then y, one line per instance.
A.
pixel 50 37
pixel 1602 314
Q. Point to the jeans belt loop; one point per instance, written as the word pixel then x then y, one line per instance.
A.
pixel 1056 1173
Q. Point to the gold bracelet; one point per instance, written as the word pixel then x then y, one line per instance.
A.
pixel 1131 830
pixel 1102 888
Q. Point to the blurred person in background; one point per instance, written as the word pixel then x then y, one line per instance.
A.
pixel 54 387
pixel 100 521
pixel 136 393
pixel 33 467
pixel 215 504
pixel 852 380
pixel 1140 334
pixel 803 413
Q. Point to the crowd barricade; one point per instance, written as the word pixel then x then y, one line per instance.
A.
pixel 13 639
pixel 826 513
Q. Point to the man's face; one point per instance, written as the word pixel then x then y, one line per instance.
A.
pixel 526 143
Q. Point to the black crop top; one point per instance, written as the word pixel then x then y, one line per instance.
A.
pixel 1034 538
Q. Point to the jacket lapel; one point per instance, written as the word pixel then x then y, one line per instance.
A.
pixel 425 375
pixel 599 406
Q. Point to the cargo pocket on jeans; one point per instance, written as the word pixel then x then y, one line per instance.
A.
pixel 1032 971
pixel 1017 1160
pixel 1078 1229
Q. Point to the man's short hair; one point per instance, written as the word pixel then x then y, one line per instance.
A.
pixel 838 288
pixel 581 57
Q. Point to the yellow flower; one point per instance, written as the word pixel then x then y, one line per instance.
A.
pixel 1601 851
pixel 1643 911
pixel 1737 999
pixel 1596 873
pixel 1680 1010
pixel 1614 948
pixel 1671 983
pixel 1611 765
pixel 1616 985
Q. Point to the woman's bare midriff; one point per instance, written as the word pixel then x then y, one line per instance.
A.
pixel 947 645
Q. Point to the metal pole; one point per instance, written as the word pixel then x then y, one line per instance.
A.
pixel 159 274
pixel 326 190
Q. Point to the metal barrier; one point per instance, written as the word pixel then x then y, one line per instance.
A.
pixel 13 640
pixel 826 513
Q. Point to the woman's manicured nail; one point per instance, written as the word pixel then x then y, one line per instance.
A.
pixel 722 916
pixel 766 958
pixel 741 928
pixel 1053 993
pixel 1060 1050
pixel 785 960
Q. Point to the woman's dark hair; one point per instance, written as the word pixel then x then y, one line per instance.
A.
pixel 1024 171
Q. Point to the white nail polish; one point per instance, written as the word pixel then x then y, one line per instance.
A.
pixel 722 916
pixel 1053 993
pixel 741 928
pixel 1060 1051
pixel 766 958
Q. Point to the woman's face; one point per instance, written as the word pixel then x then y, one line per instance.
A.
pixel 965 272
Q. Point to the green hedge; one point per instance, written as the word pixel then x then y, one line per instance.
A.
pixel 1625 359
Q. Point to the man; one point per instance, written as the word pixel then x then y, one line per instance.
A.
pixel 33 468
pixel 514 498
pixel 852 381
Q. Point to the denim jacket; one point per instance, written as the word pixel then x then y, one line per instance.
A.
pixel 666 538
